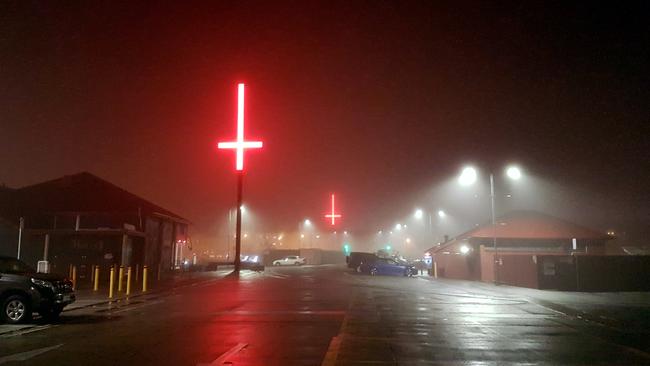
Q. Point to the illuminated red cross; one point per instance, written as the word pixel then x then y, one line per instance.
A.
pixel 333 215
pixel 240 144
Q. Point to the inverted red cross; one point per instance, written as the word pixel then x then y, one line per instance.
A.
pixel 240 144
pixel 333 215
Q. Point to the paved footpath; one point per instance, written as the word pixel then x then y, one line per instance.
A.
pixel 324 315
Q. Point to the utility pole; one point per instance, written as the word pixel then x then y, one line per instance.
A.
pixel 494 232
pixel 239 146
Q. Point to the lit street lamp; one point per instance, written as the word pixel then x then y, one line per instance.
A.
pixel 419 215
pixel 468 177
pixel 302 227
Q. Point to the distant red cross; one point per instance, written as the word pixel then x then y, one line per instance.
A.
pixel 333 215
pixel 240 144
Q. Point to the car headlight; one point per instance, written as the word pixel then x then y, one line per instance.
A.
pixel 42 283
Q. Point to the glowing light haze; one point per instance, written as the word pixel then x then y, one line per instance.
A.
pixel 240 144
pixel 333 215
pixel 467 177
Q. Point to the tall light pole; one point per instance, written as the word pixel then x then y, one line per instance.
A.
pixel 239 146
pixel 419 215
pixel 230 215
pixel 468 177
pixel 302 227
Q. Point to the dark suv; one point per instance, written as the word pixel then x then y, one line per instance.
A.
pixel 23 291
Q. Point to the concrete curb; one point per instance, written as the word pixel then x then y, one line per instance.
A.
pixel 123 298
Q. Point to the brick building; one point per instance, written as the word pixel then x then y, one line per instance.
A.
pixel 522 238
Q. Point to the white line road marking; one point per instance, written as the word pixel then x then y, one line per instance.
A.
pixel 135 307
pixel 224 357
pixel 277 312
pixel 28 330
pixel 332 352
pixel 23 356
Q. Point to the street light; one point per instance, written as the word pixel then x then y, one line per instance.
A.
pixel 302 226
pixel 513 173
pixel 467 177
pixel 418 214
pixel 442 214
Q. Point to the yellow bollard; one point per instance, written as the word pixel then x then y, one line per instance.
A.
pixel 111 283
pixel 144 279
pixel 128 281
pixel 74 277
pixel 120 278
pixel 70 271
pixel 96 279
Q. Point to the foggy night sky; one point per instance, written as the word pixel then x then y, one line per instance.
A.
pixel 375 101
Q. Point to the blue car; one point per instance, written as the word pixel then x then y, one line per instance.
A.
pixel 387 266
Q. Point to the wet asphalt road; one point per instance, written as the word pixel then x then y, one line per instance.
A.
pixel 323 316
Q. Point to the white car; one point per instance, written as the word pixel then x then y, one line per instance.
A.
pixel 292 260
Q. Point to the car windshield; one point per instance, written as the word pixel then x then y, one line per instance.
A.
pixel 11 265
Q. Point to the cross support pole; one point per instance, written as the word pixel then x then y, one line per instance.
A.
pixel 240 184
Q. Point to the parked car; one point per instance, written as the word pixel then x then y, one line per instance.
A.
pixel 355 259
pixel 292 260
pixel 252 265
pixel 23 291
pixel 387 266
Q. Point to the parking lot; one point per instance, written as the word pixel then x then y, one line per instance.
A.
pixel 326 315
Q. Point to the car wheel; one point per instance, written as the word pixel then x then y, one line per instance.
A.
pixel 276 263
pixel 16 310
pixel 373 271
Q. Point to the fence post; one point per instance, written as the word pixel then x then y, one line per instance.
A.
pixel 111 282
pixel 144 278
pixel 96 278
pixel 120 277
pixel 128 281
pixel 74 277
